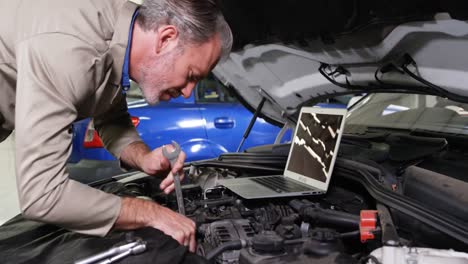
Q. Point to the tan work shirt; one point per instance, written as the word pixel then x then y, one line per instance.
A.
pixel 60 61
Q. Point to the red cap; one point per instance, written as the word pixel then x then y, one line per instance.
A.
pixel 368 224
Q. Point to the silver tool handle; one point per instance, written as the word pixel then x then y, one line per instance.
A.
pixel 135 250
pixel 172 157
pixel 178 190
pixel 108 253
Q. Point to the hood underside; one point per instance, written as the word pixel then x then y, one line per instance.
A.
pixel 298 53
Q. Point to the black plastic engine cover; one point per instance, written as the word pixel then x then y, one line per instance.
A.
pixel 439 191
pixel 24 241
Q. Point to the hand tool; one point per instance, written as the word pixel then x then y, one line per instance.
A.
pixel 172 157
pixel 115 253
pixel 139 248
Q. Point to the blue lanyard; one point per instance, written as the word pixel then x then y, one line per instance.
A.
pixel 125 74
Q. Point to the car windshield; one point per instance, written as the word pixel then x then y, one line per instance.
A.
pixel 208 90
pixel 134 93
pixel 410 112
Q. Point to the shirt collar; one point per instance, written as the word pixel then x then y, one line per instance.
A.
pixel 119 41
pixel 125 82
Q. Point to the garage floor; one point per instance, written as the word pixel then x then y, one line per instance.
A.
pixel 9 206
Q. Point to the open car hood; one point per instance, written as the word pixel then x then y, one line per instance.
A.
pixel 299 53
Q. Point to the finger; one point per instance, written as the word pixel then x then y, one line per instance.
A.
pixel 180 237
pixel 193 243
pixel 165 163
pixel 179 164
pixel 186 239
pixel 181 176
pixel 166 182
pixel 169 189
pixel 181 157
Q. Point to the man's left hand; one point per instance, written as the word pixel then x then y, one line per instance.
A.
pixel 138 155
pixel 155 162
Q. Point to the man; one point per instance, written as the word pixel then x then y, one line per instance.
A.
pixel 63 60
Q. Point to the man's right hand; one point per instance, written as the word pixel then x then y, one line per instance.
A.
pixel 136 213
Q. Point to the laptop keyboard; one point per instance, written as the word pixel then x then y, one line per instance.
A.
pixel 280 184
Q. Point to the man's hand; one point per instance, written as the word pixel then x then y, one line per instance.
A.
pixel 136 213
pixel 175 225
pixel 138 155
pixel 151 167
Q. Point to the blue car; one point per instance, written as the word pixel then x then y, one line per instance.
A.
pixel 205 125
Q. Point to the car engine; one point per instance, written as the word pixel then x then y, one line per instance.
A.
pixel 345 225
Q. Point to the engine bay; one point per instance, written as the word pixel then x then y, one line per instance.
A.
pixel 233 230
pixel 366 216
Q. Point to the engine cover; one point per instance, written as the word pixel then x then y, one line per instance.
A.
pixel 224 231
pixel 413 255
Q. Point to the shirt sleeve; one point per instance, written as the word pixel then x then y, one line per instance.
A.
pixel 56 72
pixel 116 128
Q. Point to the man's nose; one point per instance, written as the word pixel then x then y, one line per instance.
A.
pixel 187 91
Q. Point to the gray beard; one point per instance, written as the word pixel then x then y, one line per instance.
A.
pixel 163 66
pixel 152 98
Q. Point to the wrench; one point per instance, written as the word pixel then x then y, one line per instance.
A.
pixel 172 157
pixel 115 253
pixel 140 248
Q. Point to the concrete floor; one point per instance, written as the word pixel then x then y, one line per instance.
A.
pixel 9 206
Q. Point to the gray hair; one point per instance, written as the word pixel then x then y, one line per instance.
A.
pixel 196 20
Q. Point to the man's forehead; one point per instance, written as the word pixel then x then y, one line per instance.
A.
pixel 211 53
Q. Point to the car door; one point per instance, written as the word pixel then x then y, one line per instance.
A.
pixel 226 119
pixel 178 120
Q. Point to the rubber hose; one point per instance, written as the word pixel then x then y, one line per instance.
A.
pixel 325 216
pixel 231 245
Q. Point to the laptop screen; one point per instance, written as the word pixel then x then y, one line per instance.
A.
pixel 315 145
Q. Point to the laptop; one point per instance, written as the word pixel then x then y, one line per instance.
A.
pixel 310 161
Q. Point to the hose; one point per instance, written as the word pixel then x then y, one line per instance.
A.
pixel 350 234
pixel 231 245
pixel 313 213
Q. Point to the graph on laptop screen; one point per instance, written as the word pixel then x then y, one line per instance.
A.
pixel 314 145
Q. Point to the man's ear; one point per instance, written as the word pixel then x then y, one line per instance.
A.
pixel 167 38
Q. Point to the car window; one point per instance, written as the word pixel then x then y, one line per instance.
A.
pixel 134 93
pixel 210 90
pixel 410 112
